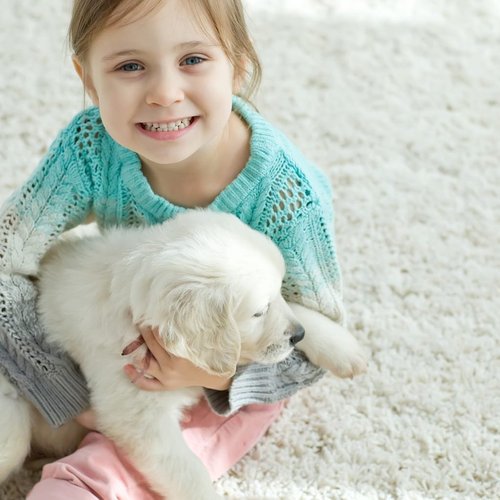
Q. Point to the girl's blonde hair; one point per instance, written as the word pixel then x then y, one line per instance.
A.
pixel 225 17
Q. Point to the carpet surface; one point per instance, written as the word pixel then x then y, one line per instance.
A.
pixel 399 102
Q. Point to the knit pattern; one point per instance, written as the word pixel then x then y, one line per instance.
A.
pixel 37 368
pixel 264 384
pixel 278 193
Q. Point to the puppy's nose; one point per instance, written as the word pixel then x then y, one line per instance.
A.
pixel 297 333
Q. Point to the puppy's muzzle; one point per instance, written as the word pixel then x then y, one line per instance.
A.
pixel 296 332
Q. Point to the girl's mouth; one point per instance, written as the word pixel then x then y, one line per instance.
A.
pixel 168 126
pixel 167 131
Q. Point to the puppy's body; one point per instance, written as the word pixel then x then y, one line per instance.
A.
pixel 144 424
pixel 212 287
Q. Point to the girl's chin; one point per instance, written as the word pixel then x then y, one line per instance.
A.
pixel 162 160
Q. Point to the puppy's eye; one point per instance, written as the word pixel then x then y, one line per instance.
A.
pixel 261 313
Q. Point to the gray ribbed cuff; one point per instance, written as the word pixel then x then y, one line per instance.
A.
pixel 59 395
pixel 263 384
pixel 43 373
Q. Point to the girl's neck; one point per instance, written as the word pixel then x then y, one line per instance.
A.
pixel 199 181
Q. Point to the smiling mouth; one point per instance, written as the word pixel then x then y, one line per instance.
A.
pixel 167 126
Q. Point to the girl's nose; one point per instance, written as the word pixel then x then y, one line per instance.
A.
pixel 165 89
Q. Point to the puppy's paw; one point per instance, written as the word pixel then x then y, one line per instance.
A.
pixel 329 345
pixel 344 357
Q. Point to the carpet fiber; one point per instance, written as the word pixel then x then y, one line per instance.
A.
pixel 399 102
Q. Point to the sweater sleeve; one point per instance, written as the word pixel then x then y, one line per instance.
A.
pixel 55 198
pixel 264 384
pixel 299 218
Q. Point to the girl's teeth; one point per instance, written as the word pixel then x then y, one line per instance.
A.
pixel 168 127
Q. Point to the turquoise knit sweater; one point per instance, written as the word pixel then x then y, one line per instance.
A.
pixel 86 172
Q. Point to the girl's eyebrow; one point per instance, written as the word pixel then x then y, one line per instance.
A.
pixel 121 53
pixel 194 44
pixel 181 46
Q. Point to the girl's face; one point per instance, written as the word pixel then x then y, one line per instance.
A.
pixel 163 86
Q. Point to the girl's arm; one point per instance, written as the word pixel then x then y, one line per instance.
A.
pixel 298 216
pixel 55 198
pixel 312 279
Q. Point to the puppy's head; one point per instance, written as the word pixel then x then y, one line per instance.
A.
pixel 212 286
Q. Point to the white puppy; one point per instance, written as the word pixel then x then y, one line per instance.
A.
pixel 212 287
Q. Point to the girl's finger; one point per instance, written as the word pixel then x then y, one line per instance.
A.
pixel 151 367
pixel 149 384
pixel 137 378
pixel 135 344
pixel 154 346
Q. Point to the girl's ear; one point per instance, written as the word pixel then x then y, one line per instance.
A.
pixel 86 80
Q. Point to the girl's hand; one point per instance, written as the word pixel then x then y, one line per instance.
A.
pixel 162 371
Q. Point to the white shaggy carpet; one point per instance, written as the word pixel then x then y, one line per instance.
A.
pixel 399 101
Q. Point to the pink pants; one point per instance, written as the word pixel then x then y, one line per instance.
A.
pixel 97 470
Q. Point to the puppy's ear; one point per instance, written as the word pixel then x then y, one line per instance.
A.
pixel 201 327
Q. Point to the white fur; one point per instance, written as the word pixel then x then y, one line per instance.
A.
pixel 212 287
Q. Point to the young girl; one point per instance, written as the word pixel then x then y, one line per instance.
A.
pixel 167 133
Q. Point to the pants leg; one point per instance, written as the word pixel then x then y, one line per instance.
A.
pixel 98 470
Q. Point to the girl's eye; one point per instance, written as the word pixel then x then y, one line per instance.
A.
pixel 130 67
pixel 192 60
